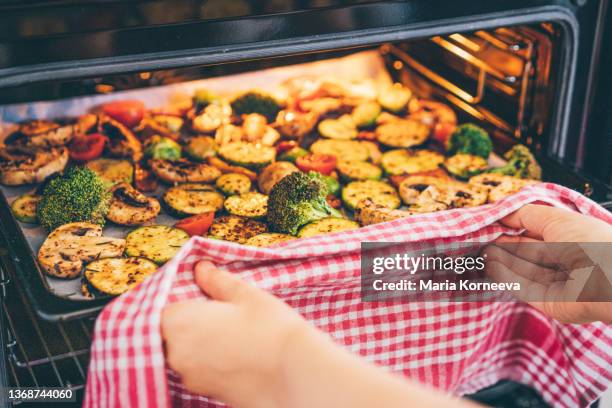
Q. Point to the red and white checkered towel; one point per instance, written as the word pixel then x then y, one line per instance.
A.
pixel 459 347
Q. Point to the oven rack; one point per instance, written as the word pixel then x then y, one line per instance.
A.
pixel 39 352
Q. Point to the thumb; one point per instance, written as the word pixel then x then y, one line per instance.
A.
pixel 219 284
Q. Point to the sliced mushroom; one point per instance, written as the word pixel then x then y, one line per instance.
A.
pixel 130 207
pixel 35 135
pixel 121 141
pixel 184 171
pixel 273 173
pixel 294 124
pixel 70 246
pixel 18 169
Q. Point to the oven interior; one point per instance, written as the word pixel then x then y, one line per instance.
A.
pixel 507 79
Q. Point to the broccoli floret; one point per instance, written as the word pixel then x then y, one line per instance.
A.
pixel 297 200
pixel 471 139
pixel 79 195
pixel 204 97
pixel 521 163
pixel 255 102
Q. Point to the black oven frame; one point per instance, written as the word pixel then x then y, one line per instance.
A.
pixel 256 37
pixel 284 34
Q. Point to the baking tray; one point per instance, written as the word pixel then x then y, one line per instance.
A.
pixel 54 298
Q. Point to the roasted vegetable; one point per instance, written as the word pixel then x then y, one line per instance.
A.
pixel 204 97
pixel 395 98
pixel 292 155
pixel 114 276
pixel 233 183
pixel 377 191
pixel 274 173
pixel 249 205
pixel 200 147
pixel 69 246
pixel 249 155
pixel 184 171
pixel 327 225
pixel 471 139
pixel 255 102
pixel 367 213
pixel 196 224
pixel 342 149
pixel 333 186
pixel 24 208
pixel 78 195
pixel 402 133
pixel 236 229
pixel 521 164
pixel 358 170
pixel 162 148
pixel 129 206
pixel 342 128
pixel 192 199
pixel 268 238
pixel 397 162
pixel 297 200
pixel 112 171
pixel 19 169
pixel 365 114
pixel 464 166
pixel 158 243
pixel 212 117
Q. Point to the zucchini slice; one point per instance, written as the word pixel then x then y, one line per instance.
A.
pixel 114 276
pixel 268 238
pixel 464 166
pixel 112 171
pixel 159 243
pixel 378 192
pixel 327 225
pixel 342 128
pixel 233 183
pixel 402 133
pixel 365 114
pixel 192 199
pixel 236 229
pixel 249 205
pixel 342 149
pixel 395 98
pixel 199 148
pixel 358 170
pixel 249 155
pixel 398 162
pixel 24 208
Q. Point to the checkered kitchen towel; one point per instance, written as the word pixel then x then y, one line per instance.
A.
pixel 459 347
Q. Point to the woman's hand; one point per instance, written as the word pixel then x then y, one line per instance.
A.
pixel 566 280
pixel 231 347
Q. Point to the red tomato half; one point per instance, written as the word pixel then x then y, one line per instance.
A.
pixel 323 163
pixel 442 131
pixel 197 224
pixel 87 147
pixel 285 146
pixel 129 113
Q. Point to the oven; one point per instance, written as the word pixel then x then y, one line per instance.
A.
pixel 534 72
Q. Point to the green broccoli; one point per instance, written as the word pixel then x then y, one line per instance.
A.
pixel 297 200
pixel 521 163
pixel 79 195
pixel 255 102
pixel 203 97
pixel 471 139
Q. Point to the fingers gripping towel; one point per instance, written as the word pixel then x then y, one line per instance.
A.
pixel 459 347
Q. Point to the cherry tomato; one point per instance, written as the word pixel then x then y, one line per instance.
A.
pixel 197 224
pixel 128 112
pixel 442 131
pixel 87 147
pixel 285 146
pixel 323 163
